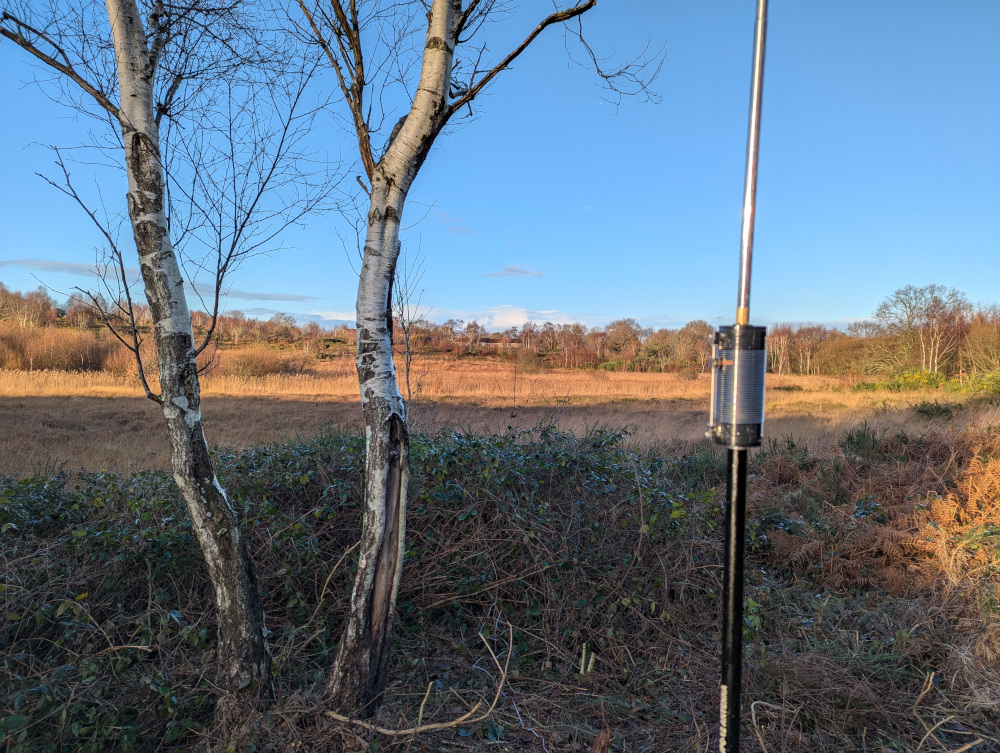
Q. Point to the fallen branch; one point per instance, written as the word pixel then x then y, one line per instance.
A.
pixel 465 718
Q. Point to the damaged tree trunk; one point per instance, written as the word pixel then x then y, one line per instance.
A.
pixel 358 675
pixel 244 658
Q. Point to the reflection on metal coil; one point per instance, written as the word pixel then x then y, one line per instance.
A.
pixel 749 405
pixel 739 363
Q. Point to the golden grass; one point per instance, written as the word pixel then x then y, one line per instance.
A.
pixel 491 383
pixel 97 420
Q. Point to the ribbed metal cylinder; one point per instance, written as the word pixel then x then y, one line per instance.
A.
pixel 746 406
pixel 738 386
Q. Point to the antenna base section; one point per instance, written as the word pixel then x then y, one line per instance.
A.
pixel 739 363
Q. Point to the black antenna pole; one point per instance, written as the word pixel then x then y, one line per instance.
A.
pixel 736 416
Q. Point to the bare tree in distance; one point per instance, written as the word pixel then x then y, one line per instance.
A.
pixel 779 340
pixel 208 137
pixel 928 322
pixel 695 340
pixel 409 311
pixel 981 349
pixel 379 56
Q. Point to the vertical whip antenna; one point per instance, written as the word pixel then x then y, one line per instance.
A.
pixel 753 148
pixel 736 415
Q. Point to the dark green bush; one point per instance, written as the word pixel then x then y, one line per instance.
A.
pixel 861 443
pixel 927 409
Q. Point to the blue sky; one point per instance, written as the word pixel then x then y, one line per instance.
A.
pixel 880 167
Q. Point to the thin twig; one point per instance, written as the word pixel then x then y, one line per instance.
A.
pixel 420 714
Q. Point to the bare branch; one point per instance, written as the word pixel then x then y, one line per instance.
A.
pixel 354 91
pixel 128 309
pixel 633 78
pixel 158 28
pixel 65 67
pixel 469 717
pixel 555 18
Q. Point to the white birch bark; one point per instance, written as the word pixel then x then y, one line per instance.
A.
pixel 244 659
pixel 359 671
pixel 358 675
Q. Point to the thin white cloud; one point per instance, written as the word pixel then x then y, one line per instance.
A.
pixel 67 267
pixel 202 288
pixel 453 219
pixel 345 315
pixel 326 321
pixel 504 316
pixel 514 270
pixel 252 295
pixel 258 312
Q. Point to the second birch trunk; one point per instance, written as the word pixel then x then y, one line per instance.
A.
pixel 358 676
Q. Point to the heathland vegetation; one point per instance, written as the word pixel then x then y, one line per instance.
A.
pixel 918 337
pixel 562 504
pixel 535 559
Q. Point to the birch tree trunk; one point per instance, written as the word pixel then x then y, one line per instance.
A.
pixel 358 675
pixel 244 658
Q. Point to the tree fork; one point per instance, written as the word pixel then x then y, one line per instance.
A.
pixel 357 677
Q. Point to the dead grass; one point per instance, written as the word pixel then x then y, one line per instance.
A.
pixel 265 372
pixel 873 559
pixel 98 420
pixel 870 574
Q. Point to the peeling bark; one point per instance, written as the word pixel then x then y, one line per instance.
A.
pixel 244 658
pixel 358 675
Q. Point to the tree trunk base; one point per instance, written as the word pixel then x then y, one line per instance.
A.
pixel 237 720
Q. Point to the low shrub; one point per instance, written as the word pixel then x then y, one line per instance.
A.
pixel 606 563
pixel 917 380
pixel 529 361
pixel 976 384
pixel 55 349
pixel 110 633
pixel 908 381
pixel 618 366
pixel 861 443
pixel 930 410
pixel 687 374
pixel 868 386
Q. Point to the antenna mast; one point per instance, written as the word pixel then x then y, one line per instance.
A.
pixel 736 415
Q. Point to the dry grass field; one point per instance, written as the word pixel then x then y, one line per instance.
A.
pixel 872 610
pixel 96 420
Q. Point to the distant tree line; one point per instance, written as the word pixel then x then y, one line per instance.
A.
pixel 37 332
pixel 931 328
